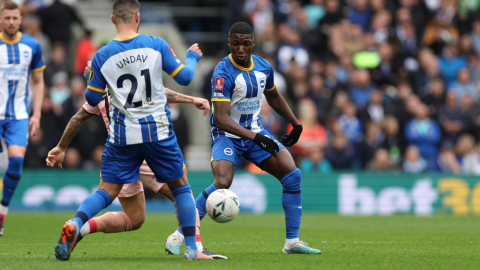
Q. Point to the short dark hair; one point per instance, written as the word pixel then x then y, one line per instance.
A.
pixel 125 9
pixel 241 28
pixel 9 5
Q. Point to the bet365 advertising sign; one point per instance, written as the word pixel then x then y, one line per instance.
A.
pixel 344 193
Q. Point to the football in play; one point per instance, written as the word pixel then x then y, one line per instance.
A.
pixel 223 205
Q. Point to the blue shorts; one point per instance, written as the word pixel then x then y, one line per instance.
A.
pixel 121 164
pixel 225 148
pixel 14 132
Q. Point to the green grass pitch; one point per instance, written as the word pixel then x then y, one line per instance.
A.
pixel 254 242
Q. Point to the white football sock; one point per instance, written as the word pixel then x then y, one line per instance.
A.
pixel 290 242
pixel 85 229
pixel 199 246
pixel 3 209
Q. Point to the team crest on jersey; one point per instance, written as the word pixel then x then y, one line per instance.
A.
pixel 25 54
pixel 90 75
pixel 262 84
pixel 219 84
pixel 171 50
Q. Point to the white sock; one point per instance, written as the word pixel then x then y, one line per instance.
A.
pixel 177 233
pixel 3 210
pixel 290 242
pixel 85 229
pixel 199 246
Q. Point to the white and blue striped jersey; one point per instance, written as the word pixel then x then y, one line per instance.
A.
pixel 132 69
pixel 243 88
pixel 17 59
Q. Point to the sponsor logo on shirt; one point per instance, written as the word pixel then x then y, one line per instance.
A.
pixel 219 84
pixel 218 94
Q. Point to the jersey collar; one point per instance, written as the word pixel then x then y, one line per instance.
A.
pixel 126 38
pixel 240 67
pixel 11 41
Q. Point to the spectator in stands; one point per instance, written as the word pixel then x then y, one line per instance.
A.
pixel 451 63
pixel 381 161
pixel 56 64
pixel 414 163
pixel 451 118
pixel 394 141
pixel 86 48
pixel 351 125
pixel 447 161
pixel 362 88
pixel 73 159
pixel 32 26
pixel 424 133
pixel 315 162
pixel 435 97
pixel 292 49
pixel 59 92
pixel 341 155
pixel 464 146
pixel 429 69
pixel 471 163
pixel 464 85
pixel 57 20
pixel 475 34
pixel 360 13
pixel 375 110
pixel 367 147
pixel 76 99
pixel 315 11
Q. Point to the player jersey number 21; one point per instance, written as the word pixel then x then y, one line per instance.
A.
pixel 133 80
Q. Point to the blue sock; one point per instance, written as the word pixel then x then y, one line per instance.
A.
pixel 201 202
pixel 292 202
pixel 11 179
pixel 91 206
pixel 186 213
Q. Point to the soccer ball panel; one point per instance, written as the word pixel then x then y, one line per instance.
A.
pixel 223 205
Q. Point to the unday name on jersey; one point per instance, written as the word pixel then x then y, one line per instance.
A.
pixel 18 58
pixel 132 69
pixel 243 88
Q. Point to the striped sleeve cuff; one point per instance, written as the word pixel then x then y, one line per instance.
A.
pixel 39 69
pixel 221 99
pixel 177 70
pixel 96 89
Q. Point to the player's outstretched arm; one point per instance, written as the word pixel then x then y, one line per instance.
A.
pixel 278 103
pixel 226 123
pixel 37 86
pixel 57 154
pixel 175 97
pixel 183 74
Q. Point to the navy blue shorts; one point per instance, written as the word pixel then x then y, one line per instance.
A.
pixel 14 132
pixel 121 163
pixel 225 148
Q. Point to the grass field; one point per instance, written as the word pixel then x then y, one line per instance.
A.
pixel 254 242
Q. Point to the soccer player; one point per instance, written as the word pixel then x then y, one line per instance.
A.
pixel 20 57
pixel 140 127
pixel 238 82
pixel 131 196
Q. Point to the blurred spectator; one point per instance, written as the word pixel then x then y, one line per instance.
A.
pixel 86 48
pixel 464 146
pixel 57 20
pixel 180 126
pixel 475 34
pixel 32 26
pixel 471 163
pixel 351 125
pixel 360 13
pixel 56 64
pixel 447 161
pixel 341 154
pixel 414 163
pixel 291 50
pixel 451 118
pixel 393 141
pixel 315 162
pixel 362 88
pixel 429 69
pixel 73 160
pixel 269 120
pixel 436 95
pixel 77 98
pixel 464 86
pixel 389 69
pixel 451 63
pixel 314 134
pixel 367 148
pixel 374 111
pixel 381 161
pixel 315 11
pixel 424 133
pixel 36 151
pixel 59 92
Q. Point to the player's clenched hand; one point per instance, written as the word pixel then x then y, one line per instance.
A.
pixel 56 155
pixel 196 49
pixel 292 138
pixel 266 144
pixel 202 104
pixel 34 125
pixel 87 68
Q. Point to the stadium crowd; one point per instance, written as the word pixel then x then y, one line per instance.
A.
pixel 380 85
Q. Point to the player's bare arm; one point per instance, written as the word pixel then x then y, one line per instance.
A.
pixel 37 86
pixel 278 103
pixel 57 154
pixel 175 97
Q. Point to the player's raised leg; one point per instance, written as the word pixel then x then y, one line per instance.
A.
pixel 284 169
